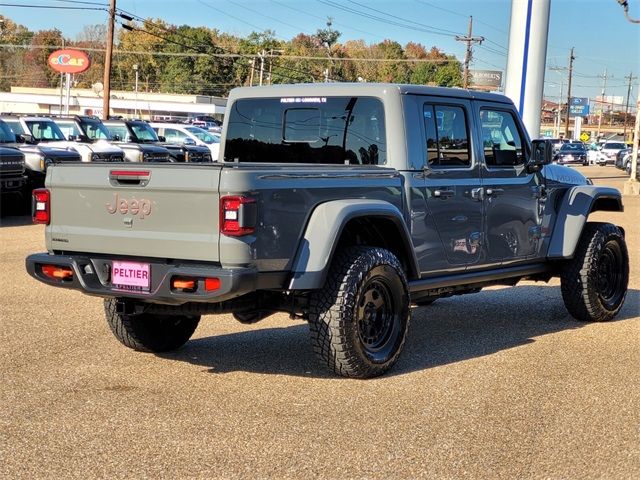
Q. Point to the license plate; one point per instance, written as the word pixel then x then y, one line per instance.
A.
pixel 131 275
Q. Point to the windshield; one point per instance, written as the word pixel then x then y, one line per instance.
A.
pixel 572 147
pixel 6 135
pixel 119 130
pixel 95 130
pixel 333 130
pixel 45 130
pixel 203 135
pixel 614 146
pixel 144 132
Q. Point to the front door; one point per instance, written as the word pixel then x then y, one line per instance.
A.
pixel 452 180
pixel 511 194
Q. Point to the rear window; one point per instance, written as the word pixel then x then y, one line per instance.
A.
pixel 329 130
pixel 614 146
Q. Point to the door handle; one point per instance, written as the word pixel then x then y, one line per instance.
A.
pixel 494 192
pixel 443 193
pixel 477 194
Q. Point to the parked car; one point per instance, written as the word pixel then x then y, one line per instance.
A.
pixel 557 143
pixel 206 122
pixel 572 153
pixel 609 152
pixel 626 163
pixel 12 174
pixel 342 210
pixel 182 134
pixel 139 131
pixel 620 158
pixel 84 128
pixel 37 157
pixel 44 132
pixel 594 153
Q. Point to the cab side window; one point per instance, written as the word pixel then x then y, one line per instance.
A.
pixel 501 139
pixel 447 136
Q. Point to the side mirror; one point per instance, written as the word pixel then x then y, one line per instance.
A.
pixel 24 138
pixel 188 141
pixel 541 155
pixel 162 138
pixel 116 138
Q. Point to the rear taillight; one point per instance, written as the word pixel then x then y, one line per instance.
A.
pixel 238 215
pixel 57 272
pixel 40 207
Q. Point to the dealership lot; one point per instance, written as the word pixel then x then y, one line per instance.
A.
pixel 500 384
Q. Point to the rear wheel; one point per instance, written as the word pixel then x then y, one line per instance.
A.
pixel 594 283
pixel 150 333
pixel 359 320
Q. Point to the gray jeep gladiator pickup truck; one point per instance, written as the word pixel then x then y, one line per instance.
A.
pixel 341 204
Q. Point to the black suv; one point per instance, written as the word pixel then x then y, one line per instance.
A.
pixel 140 132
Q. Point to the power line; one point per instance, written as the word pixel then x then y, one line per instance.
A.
pixel 401 18
pixel 382 19
pixel 53 7
pixel 342 25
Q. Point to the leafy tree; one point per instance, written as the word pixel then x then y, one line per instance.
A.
pixel 12 58
pixel 38 73
pixel 93 39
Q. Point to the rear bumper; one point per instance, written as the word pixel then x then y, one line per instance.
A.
pixel 92 275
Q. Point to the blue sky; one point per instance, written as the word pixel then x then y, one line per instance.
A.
pixel 598 30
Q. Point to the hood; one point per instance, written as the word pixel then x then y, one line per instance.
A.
pixel 564 175
pixel 60 154
pixel 141 147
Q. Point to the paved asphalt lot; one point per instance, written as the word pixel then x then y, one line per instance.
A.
pixel 500 384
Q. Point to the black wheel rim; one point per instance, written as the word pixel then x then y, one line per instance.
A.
pixel 376 316
pixel 610 275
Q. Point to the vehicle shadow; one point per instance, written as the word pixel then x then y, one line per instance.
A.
pixel 15 221
pixel 451 330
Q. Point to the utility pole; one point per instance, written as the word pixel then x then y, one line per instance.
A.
pixel 604 87
pixel 556 133
pixel 469 40
pixel 566 127
pixel 262 54
pixel 107 61
pixel 253 67
pixel 626 108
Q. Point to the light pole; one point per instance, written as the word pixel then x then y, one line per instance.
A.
pixel 135 110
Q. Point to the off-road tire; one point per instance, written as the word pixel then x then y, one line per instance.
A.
pixel 594 283
pixel 359 320
pixel 149 332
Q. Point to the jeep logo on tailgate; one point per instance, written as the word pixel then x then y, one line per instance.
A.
pixel 136 207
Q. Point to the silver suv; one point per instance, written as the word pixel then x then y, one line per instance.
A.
pixel 609 152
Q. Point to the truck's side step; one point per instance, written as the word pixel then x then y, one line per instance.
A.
pixel 481 278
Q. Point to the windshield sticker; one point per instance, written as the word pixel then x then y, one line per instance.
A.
pixel 303 100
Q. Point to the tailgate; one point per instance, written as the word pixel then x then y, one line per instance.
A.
pixel 163 211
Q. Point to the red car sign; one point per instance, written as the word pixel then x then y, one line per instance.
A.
pixel 69 61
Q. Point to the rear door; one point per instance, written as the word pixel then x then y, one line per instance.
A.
pixel 452 179
pixel 511 193
pixel 162 211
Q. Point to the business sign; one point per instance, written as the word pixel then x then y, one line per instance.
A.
pixel 489 79
pixel 579 107
pixel 69 61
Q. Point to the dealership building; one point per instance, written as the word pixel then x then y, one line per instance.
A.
pixel 148 106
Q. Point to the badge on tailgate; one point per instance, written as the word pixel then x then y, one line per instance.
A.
pixel 131 276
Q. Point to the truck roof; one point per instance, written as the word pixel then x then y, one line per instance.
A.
pixel 365 89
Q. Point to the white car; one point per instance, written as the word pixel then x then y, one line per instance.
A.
pixel 184 134
pixel 609 151
pixel 45 132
